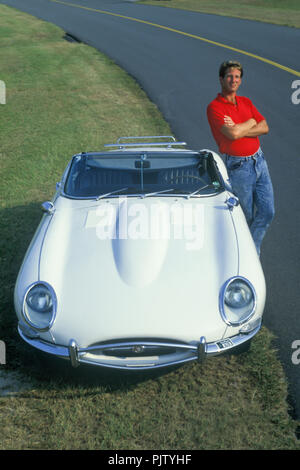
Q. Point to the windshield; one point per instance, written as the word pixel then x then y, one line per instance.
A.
pixel 145 174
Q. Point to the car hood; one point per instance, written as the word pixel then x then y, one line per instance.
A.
pixel 124 268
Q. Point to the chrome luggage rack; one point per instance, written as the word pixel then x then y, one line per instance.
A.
pixel 171 142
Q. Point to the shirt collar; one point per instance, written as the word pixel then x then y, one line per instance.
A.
pixel 224 100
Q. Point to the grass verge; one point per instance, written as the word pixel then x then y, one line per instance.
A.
pixel 286 13
pixel 63 98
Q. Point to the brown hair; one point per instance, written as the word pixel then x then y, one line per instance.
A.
pixel 227 65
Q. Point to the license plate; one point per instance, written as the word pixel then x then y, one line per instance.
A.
pixel 226 343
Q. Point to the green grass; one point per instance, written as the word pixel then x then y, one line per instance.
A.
pixel 282 12
pixel 226 403
pixel 63 98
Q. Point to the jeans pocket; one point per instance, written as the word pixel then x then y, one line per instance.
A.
pixel 234 165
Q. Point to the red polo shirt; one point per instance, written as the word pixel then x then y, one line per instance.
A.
pixel 239 112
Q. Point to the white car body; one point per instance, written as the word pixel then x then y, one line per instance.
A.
pixel 143 298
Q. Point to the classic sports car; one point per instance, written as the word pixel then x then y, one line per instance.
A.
pixel 142 260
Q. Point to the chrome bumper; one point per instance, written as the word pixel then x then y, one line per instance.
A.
pixel 188 352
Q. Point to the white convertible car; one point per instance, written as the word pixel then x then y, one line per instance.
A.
pixel 142 260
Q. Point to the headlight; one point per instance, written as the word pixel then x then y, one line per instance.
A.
pixel 237 301
pixel 39 306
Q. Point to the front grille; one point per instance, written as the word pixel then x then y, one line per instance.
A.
pixel 139 350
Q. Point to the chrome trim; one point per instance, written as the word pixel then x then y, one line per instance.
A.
pixel 140 195
pixel 49 348
pixel 28 331
pixel 136 366
pixel 73 353
pixel 172 142
pixel 54 299
pixel 151 144
pixel 221 301
pixel 200 350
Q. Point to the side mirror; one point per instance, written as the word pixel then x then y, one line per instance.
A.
pixel 232 202
pixel 48 207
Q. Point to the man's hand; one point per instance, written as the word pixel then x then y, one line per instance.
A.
pixel 236 131
pixel 228 121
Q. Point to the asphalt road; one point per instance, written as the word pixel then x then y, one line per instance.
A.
pixel 179 72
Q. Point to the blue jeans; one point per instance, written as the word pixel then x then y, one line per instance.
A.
pixel 251 183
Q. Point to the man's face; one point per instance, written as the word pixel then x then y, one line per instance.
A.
pixel 232 80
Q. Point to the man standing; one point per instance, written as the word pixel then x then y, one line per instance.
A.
pixel 236 124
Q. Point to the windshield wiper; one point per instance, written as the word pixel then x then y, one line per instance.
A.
pixel 198 190
pixel 108 194
pixel 156 192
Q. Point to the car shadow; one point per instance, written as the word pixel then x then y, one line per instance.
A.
pixel 55 372
pixel 17 227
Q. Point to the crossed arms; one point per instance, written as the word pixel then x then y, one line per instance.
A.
pixel 249 128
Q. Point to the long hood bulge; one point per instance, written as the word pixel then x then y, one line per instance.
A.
pixel 124 265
